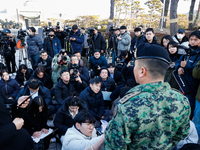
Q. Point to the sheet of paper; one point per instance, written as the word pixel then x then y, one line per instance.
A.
pixel 42 136
pixel 106 95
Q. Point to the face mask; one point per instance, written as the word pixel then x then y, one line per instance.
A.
pixel 193 47
pixel 51 36
pixel 180 36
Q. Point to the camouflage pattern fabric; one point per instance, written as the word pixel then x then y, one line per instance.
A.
pixel 156 118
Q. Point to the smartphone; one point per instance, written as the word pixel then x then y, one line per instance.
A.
pixel 132 63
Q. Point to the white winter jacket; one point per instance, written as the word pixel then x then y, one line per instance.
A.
pixel 75 140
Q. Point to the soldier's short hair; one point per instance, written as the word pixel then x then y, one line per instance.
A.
pixel 155 67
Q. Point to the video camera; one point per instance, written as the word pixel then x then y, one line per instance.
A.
pixel 67 29
pixel 46 30
pixel 75 72
pixel 90 31
pixel 112 29
pixel 3 37
pixel 21 35
pixel 58 25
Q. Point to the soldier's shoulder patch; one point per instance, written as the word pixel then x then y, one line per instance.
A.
pixel 127 97
pixel 177 90
pixel 115 111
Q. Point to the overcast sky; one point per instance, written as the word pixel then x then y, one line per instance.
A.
pixel 72 8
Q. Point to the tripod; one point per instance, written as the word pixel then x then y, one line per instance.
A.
pixel 68 46
pixel 22 52
pixel 91 48
pixel 113 52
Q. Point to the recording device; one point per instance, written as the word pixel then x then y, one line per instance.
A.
pixel 90 31
pixel 43 63
pixel 67 29
pixel 120 62
pixel 75 71
pixel 3 37
pixel 26 99
pixel 58 25
pixel 96 66
pixel 63 57
pixel 46 30
pixel 112 29
pixel 21 35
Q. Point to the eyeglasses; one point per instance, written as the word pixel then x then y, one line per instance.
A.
pixel 89 125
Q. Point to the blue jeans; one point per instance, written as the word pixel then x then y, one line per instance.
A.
pixel 196 119
pixel 34 60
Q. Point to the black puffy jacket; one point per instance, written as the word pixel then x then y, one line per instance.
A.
pixel 94 102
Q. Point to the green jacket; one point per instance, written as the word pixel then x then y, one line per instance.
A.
pixel 196 74
pixel 56 68
pixel 155 118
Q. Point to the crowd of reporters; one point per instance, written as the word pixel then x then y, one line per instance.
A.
pixel 76 82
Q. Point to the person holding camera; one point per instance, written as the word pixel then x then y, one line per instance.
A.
pixel 97 62
pixel 9 50
pixel 34 46
pixel 76 39
pixel 52 44
pixel 65 87
pixel 78 69
pixel 99 41
pixel 59 62
pixel 45 61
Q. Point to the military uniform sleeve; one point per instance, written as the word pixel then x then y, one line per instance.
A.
pixel 119 130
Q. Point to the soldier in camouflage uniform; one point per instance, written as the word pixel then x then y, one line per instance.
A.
pixel 151 116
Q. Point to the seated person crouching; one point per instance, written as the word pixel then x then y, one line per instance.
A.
pixel 82 135
pixel 65 115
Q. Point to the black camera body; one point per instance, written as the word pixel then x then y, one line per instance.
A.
pixel 67 29
pixel 75 71
pixel 21 35
pixel 64 58
pixel 43 63
pixel 112 29
pixel 90 31
pixel 58 25
pixel 3 37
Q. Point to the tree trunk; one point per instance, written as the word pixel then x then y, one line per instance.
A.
pixel 165 13
pixel 151 18
pixel 173 15
pixel 110 21
pixel 197 16
pixel 191 14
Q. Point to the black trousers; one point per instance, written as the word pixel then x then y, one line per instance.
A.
pixel 10 59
